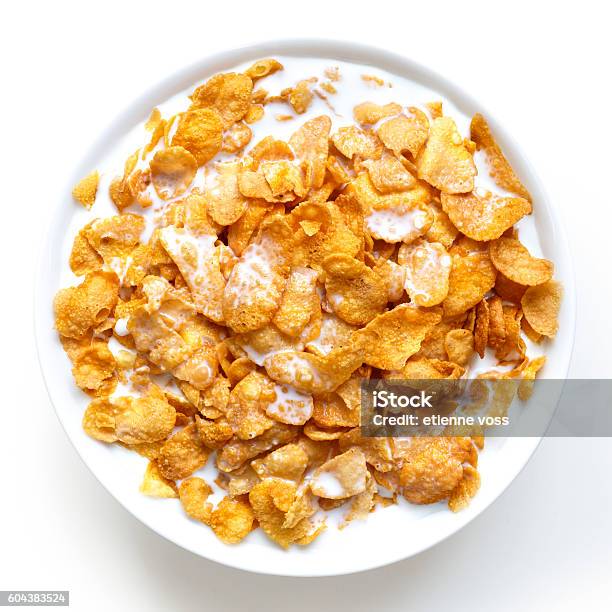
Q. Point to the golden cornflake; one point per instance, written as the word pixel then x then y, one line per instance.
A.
pixel 515 262
pixel 78 309
pixel 85 190
pixel 369 113
pixel 232 520
pixel 405 133
pixel 352 141
pixel 541 306
pixel 263 68
pixel 472 276
pixel 229 94
pixel 483 215
pixel 388 174
pixel 444 162
pixel 201 133
pixel 355 292
pixel 155 485
pixel 182 454
pixel 193 494
pixel 392 337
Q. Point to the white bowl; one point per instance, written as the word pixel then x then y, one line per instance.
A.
pixel 388 535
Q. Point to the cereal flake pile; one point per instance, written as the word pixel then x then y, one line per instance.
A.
pixel 273 278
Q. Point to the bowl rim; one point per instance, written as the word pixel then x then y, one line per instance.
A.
pixel 342 50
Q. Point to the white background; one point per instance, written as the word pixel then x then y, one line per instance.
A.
pixel 68 68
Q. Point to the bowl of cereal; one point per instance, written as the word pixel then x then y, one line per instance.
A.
pixel 247 244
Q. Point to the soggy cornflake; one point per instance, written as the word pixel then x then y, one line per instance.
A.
pixel 298 301
pixel 240 233
pixel 256 283
pixel 234 454
pixel 290 406
pixel 254 114
pixel 172 171
pixel 333 333
pixel 340 477
pixel 238 315
pixel 214 434
pixel 371 199
pixel 122 190
pixel 378 452
pixel 427 267
pixel 442 229
pixel 85 190
pixel 333 236
pixel 99 420
pixel 499 168
pixel 83 257
pixel 115 238
pixel 198 259
pixel 237 137
pixel 312 374
pixel 393 217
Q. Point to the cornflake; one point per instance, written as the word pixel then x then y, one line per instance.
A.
pixel 273 270
pixel 85 190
